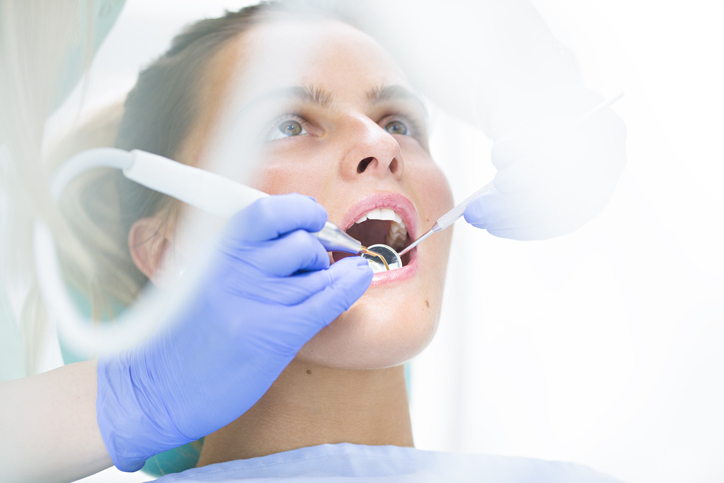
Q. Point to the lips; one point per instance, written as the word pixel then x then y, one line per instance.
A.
pixel 393 201
pixel 398 213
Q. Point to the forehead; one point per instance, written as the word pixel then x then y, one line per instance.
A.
pixel 328 54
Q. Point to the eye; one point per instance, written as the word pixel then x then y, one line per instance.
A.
pixel 290 128
pixel 286 128
pixel 397 127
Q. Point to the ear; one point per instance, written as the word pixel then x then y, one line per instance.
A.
pixel 148 243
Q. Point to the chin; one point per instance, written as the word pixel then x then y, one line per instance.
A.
pixel 376 335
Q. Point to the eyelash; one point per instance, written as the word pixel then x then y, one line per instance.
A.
pixel 414 127
pixel 273 129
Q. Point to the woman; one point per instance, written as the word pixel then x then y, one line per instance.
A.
pixel 344 127
pixel 32 426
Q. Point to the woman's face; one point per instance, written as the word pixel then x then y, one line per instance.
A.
pixel 344 127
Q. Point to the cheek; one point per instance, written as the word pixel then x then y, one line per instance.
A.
pixel 278 175
pixel 436 191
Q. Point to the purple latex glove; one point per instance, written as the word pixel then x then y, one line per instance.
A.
pixel 267 289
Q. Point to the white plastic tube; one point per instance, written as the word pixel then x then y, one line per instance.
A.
pixel 203 189
pixel 214 194
pixel 78 332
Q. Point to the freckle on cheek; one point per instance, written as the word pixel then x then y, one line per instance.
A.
pixel 309 371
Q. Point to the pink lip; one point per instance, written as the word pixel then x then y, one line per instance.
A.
pixel 394 201
pixel 407 211
pixel 404 273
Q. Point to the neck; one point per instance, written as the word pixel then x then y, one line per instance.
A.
pixel 310 405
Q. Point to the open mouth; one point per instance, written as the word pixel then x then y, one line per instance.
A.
pixel 380 226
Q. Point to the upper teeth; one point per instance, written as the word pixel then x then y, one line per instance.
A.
pixel 398 231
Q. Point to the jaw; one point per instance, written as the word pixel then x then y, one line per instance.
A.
pixel 390 324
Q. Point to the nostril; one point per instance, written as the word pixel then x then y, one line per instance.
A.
pixel 363 164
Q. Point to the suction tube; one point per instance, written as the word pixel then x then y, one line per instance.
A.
pixel 205 190
pixel 215 194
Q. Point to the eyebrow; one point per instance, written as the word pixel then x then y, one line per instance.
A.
pixel 382 94
pixel 321 98
pixel 304 94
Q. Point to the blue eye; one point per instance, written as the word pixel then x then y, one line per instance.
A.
pixel 290 128
pixel 285 129
pixel 397 127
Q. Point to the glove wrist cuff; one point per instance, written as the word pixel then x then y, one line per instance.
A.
pixel 131 430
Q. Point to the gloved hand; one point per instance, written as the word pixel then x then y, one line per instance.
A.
pixel 266 290
pixel 552 178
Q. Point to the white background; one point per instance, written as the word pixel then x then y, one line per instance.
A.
pixel 602 347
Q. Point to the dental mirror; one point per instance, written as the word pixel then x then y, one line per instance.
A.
pixel 388 253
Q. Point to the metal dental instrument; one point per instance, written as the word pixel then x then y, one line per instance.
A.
pixel 389 257
pixel 453 215
pixel 450 217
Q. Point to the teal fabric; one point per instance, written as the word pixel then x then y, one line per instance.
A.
pixel 174 460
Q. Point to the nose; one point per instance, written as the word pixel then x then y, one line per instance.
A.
pixel 370 150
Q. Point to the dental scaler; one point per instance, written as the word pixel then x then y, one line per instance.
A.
pixel 205 190
pixel 449 218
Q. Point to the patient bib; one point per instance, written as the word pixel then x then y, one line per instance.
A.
pixel 340 462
